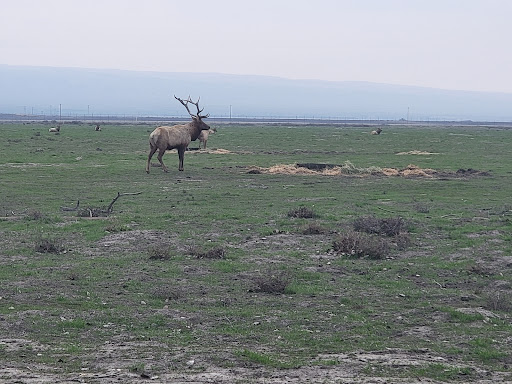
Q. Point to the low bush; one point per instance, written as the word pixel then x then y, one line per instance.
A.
pixel 214 253
pixel 498 301
pixel 34 214
pixel 313 229
pixel 48 245
pixel 168 292
pixel 274 283
pixel 159 252
pixel 302 213
pixel 390 226
pixel 402 241
pixel 358 245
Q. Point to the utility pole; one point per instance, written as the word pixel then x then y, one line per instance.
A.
pixel 60 113
pixel 230 113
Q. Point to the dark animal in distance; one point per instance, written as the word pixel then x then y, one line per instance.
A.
pixel 177 136
pixel 98 128
pixel 54 130
pixel 377 132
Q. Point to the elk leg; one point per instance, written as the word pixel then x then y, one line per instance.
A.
pixel 181 155
pixel 160 154
pixel 151 153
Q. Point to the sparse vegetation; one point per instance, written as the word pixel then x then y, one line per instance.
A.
pixel 390 226
pixel 210 257
pixel 302 213
pixel 159 252
pixel 499 300
pixel 46 244
pixel 213 253
pixel 355 244
pixel 274 282
pixel 313 229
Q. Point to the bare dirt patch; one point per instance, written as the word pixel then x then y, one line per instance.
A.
pixel 132 241
pixel 346 368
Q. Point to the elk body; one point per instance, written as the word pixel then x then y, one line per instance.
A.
pixel 377 132
pixel 54 130
pixel 177 136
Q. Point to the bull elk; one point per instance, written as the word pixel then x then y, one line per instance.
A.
pixel 54 130
pixel 377 132
pixel 177 136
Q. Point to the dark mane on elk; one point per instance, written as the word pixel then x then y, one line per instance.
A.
pixel 177 136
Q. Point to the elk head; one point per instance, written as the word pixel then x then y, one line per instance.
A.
pixel 197 118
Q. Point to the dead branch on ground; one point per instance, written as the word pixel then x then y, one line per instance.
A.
pixel 98 212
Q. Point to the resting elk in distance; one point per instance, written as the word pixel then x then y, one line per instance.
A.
pixel 178 136
pixel 377 132
pixel 54 130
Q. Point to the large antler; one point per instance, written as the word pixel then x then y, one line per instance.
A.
pixel 185 103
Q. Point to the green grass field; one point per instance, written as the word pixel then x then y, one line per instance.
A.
pixel 206 276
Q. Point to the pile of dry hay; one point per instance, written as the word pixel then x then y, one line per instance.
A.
pixel 416 152
pixel 347 169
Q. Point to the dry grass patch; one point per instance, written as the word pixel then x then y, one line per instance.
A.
pixel 214 253
pixel 416 152
pixel 346 169
pixel 410 171
pixel 159 252
pixel 313 229
pixel 48 245
pixel 388 226
pixel 271 282
pixel 302 213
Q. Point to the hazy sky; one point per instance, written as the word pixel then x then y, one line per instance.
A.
pixel 450 44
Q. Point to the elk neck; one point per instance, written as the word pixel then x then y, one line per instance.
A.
pixel 195 128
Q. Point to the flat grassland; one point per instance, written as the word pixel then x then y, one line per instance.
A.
pixel 247 269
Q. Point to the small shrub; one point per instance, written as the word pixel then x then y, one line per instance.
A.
pixel 391 226
pixel 402 241
pixel 421 208
pixel 498 301
pixel 313 229
pixel 34 214
pixel 159 252
pixel 360 245
pixel 302 213
pixel 274 283
pixel 168 293
pixel 115 228
pixel 214 253
pixel 137 368
pixel 48 245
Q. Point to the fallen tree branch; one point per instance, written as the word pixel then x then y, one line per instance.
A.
pixel 109 209
pixel 97 211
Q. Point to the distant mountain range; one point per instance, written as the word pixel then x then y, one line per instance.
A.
pixel 82 91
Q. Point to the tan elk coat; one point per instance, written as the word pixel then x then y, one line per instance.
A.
pixel 176 137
